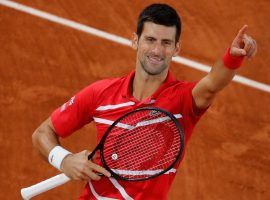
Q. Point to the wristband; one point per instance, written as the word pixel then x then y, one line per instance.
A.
pixel 56 156
pixel 232 62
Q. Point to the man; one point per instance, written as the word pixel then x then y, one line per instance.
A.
pixel 156 42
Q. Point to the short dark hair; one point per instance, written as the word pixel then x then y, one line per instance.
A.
pixel 161 14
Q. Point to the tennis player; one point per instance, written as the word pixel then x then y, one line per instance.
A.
pixel 156 41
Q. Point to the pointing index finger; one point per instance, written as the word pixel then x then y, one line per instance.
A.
pixel 242 31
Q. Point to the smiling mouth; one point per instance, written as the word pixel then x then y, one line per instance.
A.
pixel 155 60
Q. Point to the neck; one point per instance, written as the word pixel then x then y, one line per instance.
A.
pixel 145 85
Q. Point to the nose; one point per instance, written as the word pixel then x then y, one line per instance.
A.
pixel 157 49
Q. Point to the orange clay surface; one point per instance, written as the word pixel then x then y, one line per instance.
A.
pixel 42 64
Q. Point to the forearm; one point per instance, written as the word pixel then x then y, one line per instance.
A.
pixel 207 88
pixel 44 138
pixel 218 78
pixel 76 166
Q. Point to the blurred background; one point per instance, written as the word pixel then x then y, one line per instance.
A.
pixel 43 64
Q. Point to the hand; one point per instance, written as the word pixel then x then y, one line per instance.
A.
pixel 78 167
pixel 243 44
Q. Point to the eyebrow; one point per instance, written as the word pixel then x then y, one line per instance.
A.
pixel 163 40
pixel 167 40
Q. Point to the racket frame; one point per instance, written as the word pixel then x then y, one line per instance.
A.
pixel 100 146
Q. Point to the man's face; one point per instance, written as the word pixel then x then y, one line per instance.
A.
pixel 155 47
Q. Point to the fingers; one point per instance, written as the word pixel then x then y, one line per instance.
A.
pixel 247 43
pixel 235 51
pixel 100 169
pixel 80 177
pixel 253 49
pixel 242 31
pixel 250 46
pixel 78 167
pixel 90 174
pixel 96 167
pixel 243 44
pixel 84 172
pixel 91 170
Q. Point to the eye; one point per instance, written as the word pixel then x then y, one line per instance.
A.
pixel 167 43
pixel 150 39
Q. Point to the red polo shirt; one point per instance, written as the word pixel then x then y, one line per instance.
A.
pixel 105 101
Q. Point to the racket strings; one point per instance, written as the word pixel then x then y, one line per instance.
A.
pixel 122 133
pixel 147 152
pixel 152 145
pixel 162 164
pixel 132 142
pixel 132 146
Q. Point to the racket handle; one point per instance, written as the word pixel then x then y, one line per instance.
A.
pixel 29 192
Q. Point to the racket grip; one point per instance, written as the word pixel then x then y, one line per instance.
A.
pixel 29 192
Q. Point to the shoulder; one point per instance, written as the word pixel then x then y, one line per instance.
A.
pixel 186 84
pixel 183 86
pixel 103 87
pixel 106 84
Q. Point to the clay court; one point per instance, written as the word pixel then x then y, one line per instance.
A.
pixel 43 64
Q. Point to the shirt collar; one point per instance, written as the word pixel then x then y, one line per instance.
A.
pixel 129 79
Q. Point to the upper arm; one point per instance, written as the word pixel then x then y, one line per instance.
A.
pixel 45 138
pixel 75 113
pixel 45 129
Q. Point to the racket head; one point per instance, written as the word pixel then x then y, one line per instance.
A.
pixel 142 144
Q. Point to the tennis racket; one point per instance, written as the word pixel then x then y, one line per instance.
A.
pixel 140 145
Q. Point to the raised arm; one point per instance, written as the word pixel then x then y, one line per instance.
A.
pixel 224 69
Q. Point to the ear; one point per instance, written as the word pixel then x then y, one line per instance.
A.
pixel 134 41
pixel 177 48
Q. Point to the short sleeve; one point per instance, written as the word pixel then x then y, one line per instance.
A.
pixel 75 113
pixel 190 109
pixel 190 112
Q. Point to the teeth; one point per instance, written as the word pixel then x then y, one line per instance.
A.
pixel 155 58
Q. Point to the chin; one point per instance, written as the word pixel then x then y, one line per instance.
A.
pixel 152 69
